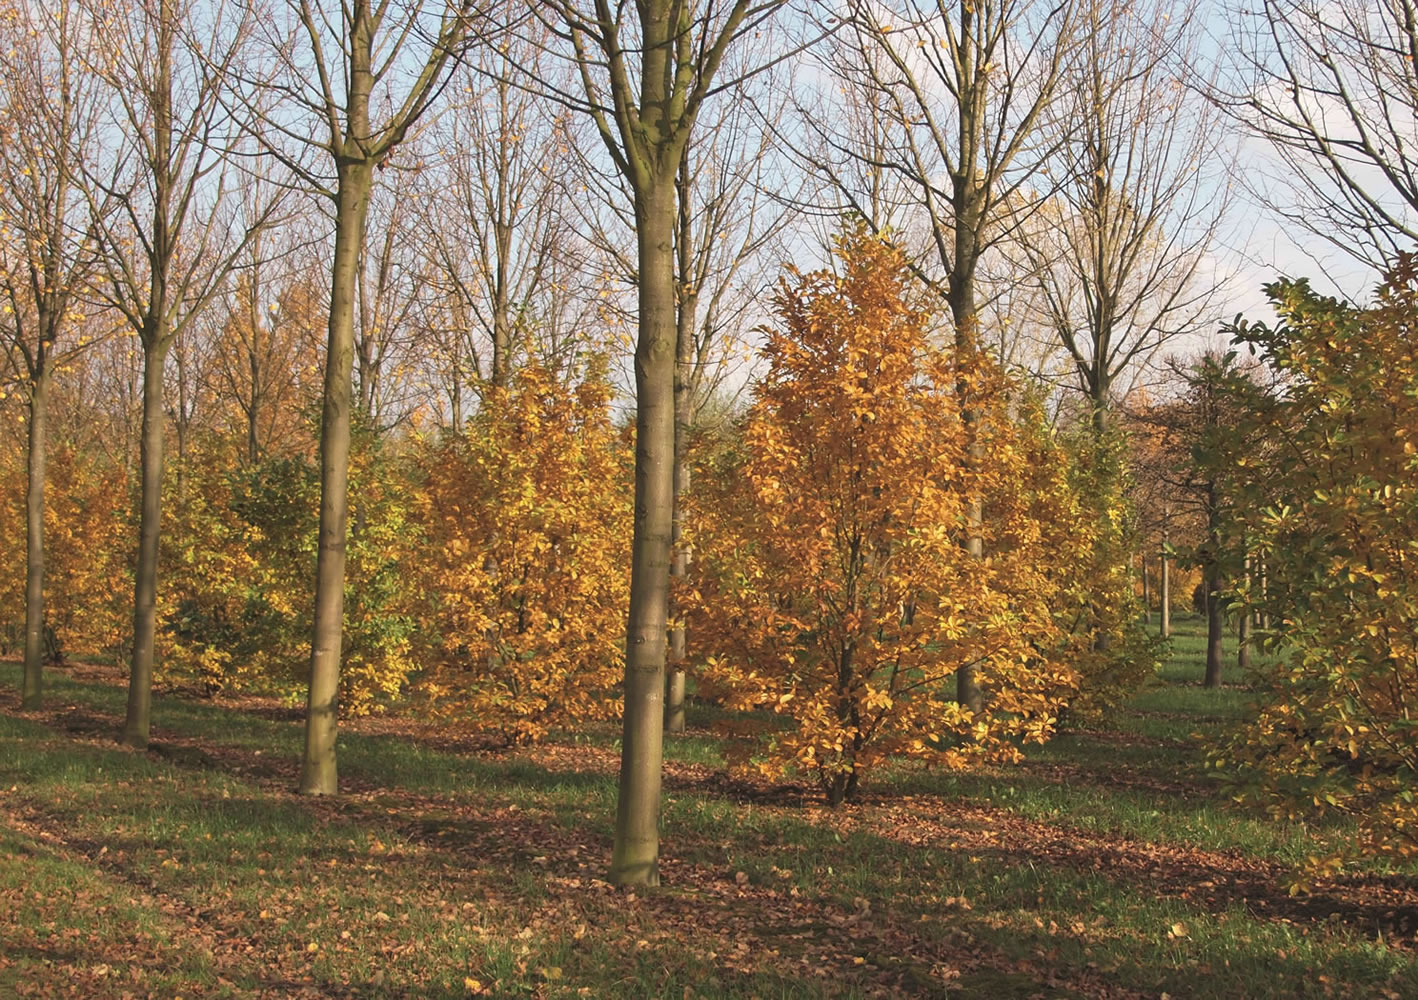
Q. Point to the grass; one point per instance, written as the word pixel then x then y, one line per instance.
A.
pixel 1107 865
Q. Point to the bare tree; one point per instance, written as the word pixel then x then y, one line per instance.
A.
pixel 49 118
pixel 1119 251
pixel 172 240
pixel 264 366
pixel 727 218
pixel 497 239
pixel 643 83
pixel 389 289
pixel 350 85
pixel 1333 87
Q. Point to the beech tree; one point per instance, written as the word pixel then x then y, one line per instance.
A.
pixel 966 89
pixel 361 80
pixel 834 590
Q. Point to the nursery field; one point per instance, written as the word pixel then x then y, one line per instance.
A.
pixel 1109 864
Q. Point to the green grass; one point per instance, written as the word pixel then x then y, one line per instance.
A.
pixel 1107 862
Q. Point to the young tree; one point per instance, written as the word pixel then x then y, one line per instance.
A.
pixel 173 240
pixel 1198 449
pixel 360 87
pixel 264 371
pixel 643 84
pixel 49 122
pixel 966 89
pixel 1332 510
pixel 834 590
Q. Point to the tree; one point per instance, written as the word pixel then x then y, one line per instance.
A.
pixel 966 89
pixel 264 369
pixel 833 587
pixel 1331 508
pixel 643 83
pixel 497 239
pixel 360 87
pixel 525 513
pixel 49 121
pixel 171 241
pixel 1118 250
pixel 1333 87
pixel 1200 447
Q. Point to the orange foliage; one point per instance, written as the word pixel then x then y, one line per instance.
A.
pixel 833 586
pixel 528 518
pixel 88 586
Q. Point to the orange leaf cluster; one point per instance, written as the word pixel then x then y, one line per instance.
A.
pixel 834 588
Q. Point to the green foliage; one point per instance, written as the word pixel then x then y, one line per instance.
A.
pixel 1331 511
pixel 239 589
pixel 1113 652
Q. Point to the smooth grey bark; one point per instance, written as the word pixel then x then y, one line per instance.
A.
pixel 32 685
pixel 645 117
pixel 319 772
pixel 635 860
pixel 138 718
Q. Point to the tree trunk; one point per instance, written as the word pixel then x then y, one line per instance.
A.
pixel 1215 626
pixel 145 576
pixel 635 860
pixel 31 692
pixel 686 318
pixel 962 305
pixel 1166 594
pixel 1243 631
pixel 318 775
pixel 1146 594
pixel 1243 642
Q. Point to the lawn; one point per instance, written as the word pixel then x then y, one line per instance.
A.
pixel 1109 864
